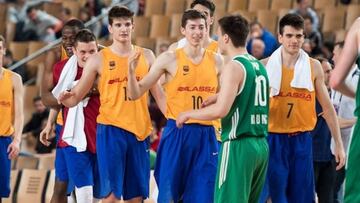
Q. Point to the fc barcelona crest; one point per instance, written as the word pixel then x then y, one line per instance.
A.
pixel 186 70
pixel 111 65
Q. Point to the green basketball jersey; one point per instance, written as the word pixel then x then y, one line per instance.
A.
pixel 357 109
pixel 248 115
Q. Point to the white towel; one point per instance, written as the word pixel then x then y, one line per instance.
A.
pixel 73 134
pixel 302 72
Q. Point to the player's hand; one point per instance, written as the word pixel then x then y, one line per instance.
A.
pixel 339 156
pixel 181 119
pixel 133 60
pixel 45 135
pixel 210 100
pixel 64 96
pixel 13 149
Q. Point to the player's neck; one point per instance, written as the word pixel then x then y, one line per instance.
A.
pixel 288 59
pixel 193 51
pixel 233 51
pixel 122 48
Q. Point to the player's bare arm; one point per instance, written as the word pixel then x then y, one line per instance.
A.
pixel 161 65
pixel 329 113
pixel 346 60
pixel 231 81
pixel 45 133
pixel 47 80
pixel 92 68
pixel 156 90
pixel 14 146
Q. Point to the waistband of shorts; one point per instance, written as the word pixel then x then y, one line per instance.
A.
pixel 172 123
pixel 293 134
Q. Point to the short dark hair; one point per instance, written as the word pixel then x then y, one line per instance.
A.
pixel 2 39
pixel 84 35
pixel 67 11
pixel 293 20
pixel 340 44
pixel 29 9
pixel 191 14
pixel 119 12
pixel 75 24
pixel 237 27
pixel 206 3
pixel 307 16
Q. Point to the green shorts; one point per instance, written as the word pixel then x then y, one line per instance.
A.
pixel 352 178
pixel 241 170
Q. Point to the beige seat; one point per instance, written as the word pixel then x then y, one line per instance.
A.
pixel 13 180
pixel 26 162
pixel 334 19
pixel 3 18
pixel 174 6
pixel 160 25
pixel 221 5
pixel 250 16
pixel 31 185
pixel 175 25
pixel 321 4
pixel 46 161
pixel 145 42
pixel 74 7
pixel 32 65
pixel 53 8
pixel 281 4
pixel 19 49
pixel 30 91
pixel 255 5
pixel 352 12
pixel 234 5
pixel 268 19
pixel 50 186
pixel 154 7
pixel 142 26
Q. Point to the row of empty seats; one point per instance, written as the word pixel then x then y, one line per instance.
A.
pixel 36 186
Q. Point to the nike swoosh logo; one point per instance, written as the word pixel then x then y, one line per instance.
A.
pixel 215 153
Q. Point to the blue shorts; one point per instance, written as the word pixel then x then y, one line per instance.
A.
pixel 124 162
pixel 186 163
pixel 5 163
pixel 290 175
pixel 58 129
pixel 77 168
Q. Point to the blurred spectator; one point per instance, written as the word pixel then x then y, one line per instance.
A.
pixel 154 137
pixel 307 46
pixel 257 31
pixel 65 15
pixel 141 10
pixel 346 2
pixel 41 113
pixel 327 49
pixel 9 61
pixel 40 26
pixel 258 48
pixel 85 16
pixel 313 35
pixel 16 15
pixel 94 7
pixel 303 8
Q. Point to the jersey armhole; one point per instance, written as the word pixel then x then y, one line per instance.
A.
pixel 244 79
